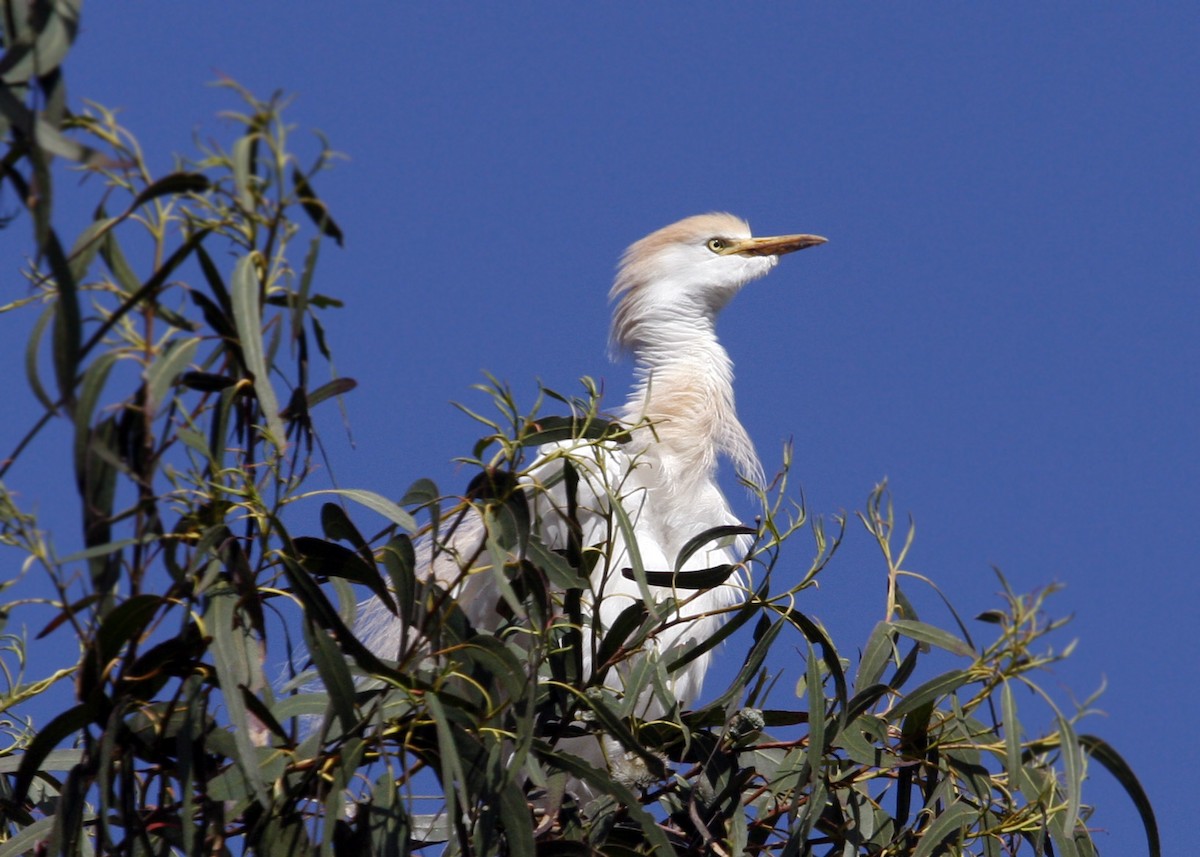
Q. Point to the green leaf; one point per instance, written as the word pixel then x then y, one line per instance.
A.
pixel 331 560
pixel 764 636
pixel 705 578
pixel 319 609
pixel 710 536
pixel 91 388
pixel 1018 777
pixel 400 562
pixel 924 633
pixel 175 183
pixel 930 690
pixel 817 635
pixel 315 208
pixel 114 258
pixel 86 246
pixel 31 358
pixel 44 741
pixel 124 623
pixel 879 650
pixel 1103 752
pixel 816 710
pixel 374 502
pixel 33 838
pixel 243 155
pixel 335 675
pixel 40 50
pixel 514 817
pixel 421 493
pixel 731 624
pixel 56 760
pixel 950 822
pixel 629 620
pixel 206 382
pixel 556 429
pixel 336 387
pixel 247 316
pixel 231 656
pixel 68 327
pixel 617 728
pixel 1074 770
pixel 162 374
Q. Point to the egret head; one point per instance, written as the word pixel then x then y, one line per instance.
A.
pixel 687 272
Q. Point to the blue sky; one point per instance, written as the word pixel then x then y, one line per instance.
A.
pixel 1003 323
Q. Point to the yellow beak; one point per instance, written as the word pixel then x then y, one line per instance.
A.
pixel 776 245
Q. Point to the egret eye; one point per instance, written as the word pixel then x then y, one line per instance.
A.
pixel 715 244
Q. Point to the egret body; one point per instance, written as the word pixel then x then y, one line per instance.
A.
pixel 669 289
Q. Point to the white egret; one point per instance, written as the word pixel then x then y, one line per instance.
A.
pixel 668 291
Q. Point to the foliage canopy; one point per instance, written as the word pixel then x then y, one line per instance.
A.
pixel 164 337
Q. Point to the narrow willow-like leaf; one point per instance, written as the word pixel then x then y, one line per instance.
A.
pixel 247 315
pixel 498 660
pixel 68 326
pixel 161 375
pixel 931 690
pixel 731 624
pixel 450 765
pixel 557 429
pixel 318 607
pixel 32 348
pixel 315 208
pixel 833 665
pixel 335 675
pixel 118 265
pixel 556 568
pixel 711 536
pixel 90 390
pixel 62 146
pixel 925 633
pixel 231 659
pixel 86 246
pixel 514 816
pixel 244 150
pixel 337 525
pixel 630 538
pixel 125 623
pixel 1064 842
pixel 44 741
pixel 331 560
pixel 765 634
pixel 55 760
pixel 1103 752
pixel 173 183
pixel 1074 770
pixel 616 727
pixel 32 839
pixel 336 387
pixel 851 739
pixel 879 650
pixel 374 502
pixel 704 578
pixel 147 289
pixel 1018 777
pixel 629 620
pixel 816 710
pixel 951 823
